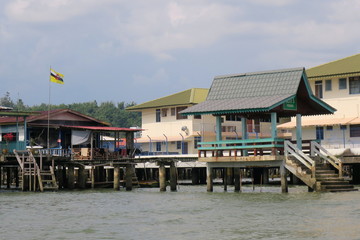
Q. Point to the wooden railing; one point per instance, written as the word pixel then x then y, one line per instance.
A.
pixel 318 150
pixel 292 150
pixel 259 146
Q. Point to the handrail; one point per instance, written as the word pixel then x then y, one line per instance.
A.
pixel 317 149
pixel 242 141
pixel 293 150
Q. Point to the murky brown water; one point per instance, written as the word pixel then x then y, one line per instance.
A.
pixel 190 213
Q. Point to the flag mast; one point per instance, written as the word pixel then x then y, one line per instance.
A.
pixel 48 116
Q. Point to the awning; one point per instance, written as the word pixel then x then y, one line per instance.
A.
pixel 320 122
pixel 162 139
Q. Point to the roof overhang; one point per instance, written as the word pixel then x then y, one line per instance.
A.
pixel 102 129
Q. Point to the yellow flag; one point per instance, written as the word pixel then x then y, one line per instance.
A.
pixel 56 77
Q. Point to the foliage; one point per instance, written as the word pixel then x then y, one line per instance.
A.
pixel 109 112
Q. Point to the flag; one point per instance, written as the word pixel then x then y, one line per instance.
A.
pixel 56 77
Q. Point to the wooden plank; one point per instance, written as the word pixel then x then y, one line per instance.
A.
pixel 241 147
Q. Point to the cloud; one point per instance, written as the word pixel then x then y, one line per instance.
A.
pixel 178 25
pixel 160 76
pixel 50 11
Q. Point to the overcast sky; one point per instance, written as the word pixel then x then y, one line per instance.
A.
pixel 140 50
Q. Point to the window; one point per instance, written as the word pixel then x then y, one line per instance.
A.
pixel 328 85
pixel 343 127
pixel 164 112
pixel 329 128
pixel 197 116
pixel 178 115
pixel 158 116
pixel 233 118
pixel 355 130
pixel 342 83
pixel 158 146
pixel 354 85
pixel 173 111
pixel 178 145
pixel 318 89
pixel 319 133
pixel 196 141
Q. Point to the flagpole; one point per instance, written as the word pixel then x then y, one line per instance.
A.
pixel 48 116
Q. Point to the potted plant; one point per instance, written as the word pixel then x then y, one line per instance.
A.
pixel 7 137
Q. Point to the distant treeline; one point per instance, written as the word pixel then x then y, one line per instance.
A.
pixel 112 113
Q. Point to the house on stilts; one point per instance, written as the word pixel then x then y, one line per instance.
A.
pixel 269 96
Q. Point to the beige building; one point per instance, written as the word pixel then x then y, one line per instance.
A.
pixel 338 84
pixel 168 132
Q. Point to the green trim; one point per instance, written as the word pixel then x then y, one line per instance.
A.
pixel 315 99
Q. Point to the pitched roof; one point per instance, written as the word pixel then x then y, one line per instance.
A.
pixel 259 92
pixel 342 66
pixel 188 97
pixel 43 115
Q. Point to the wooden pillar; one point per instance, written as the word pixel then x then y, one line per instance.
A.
pixel 237 179
pixel 284 184
pixel 298 131
pixel 265 176
pixel 225 178
pixel 230 176
pixel 81 177
pixel 173 177
pixel 129 176
pixel 116 177
pixel 71 177
pixel 92 174
pixel 244 133
pixel 209 178
pixel 195 176
pixel 8 177
pixel 16 175
pixel 1 178
pixel 162 177
pixel 130 142
pixel 63 174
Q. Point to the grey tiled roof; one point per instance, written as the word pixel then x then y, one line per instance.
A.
pixel 250 91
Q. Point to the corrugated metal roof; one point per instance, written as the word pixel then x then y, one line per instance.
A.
pixel 342 66
pixel 281 82
pixel 103 129
pixel 259 92
pixel 190 96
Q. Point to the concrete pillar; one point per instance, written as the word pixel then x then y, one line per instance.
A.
pixel 71 177
pixel 129 177
pixel 81 177
pixel 162 177
pixel 237 180
pixel 284 184
pixel 173 177
pixel 195 176
pixel 209 178
pixel 116 177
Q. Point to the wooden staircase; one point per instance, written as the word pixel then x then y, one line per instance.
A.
pixel 34 177
pixel 321 172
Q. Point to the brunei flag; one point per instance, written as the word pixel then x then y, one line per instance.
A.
pixel 56 77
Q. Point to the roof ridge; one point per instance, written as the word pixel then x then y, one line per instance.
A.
pixel 260 72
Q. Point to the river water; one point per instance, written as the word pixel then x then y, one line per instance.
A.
pixel 189 213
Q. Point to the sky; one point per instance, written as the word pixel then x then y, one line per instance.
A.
pixel 137 51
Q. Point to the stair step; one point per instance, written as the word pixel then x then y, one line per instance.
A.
pixel 341 190
pixel 338 186
pixel 334 182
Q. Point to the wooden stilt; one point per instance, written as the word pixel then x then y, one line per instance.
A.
pixel 209 180
pixel 162 177
pixel 225 178
pixel 173 177
pixel 129 177
pixel 81 177
pixel 116 177
pixel 8 177
pixel 92 177
pixel 71 177
pixel 284 184
pixel 237 179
